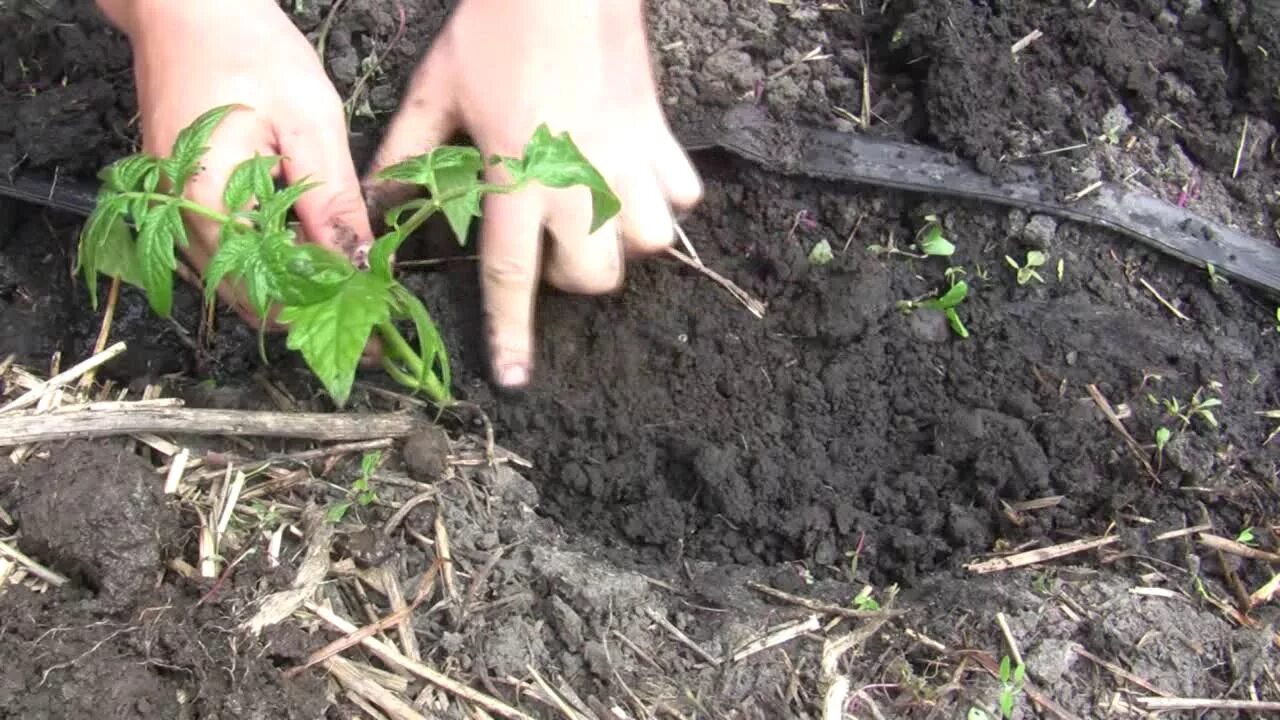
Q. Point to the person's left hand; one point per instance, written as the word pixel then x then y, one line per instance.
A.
pixel 499 69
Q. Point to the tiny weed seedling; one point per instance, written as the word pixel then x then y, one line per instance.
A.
pixel 1247 537
pixel 821 253
pixel 1163 436
pixel 362 492
pixel 930 242
pixel 1027 271
pixel 1199 406
pixel 329 306
pixel 1011 682
pixel 865 600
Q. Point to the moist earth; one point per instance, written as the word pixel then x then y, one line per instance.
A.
pixel 667 425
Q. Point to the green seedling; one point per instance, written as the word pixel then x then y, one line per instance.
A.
pixel 946 304
pixel 1163 436
pixel 1247 537
pixel 1011 682
pixel 1027 271
pixel 864 600
pixel 1198 406
pixel 1278 319
pixel 821 253
pixel 362 492
pixel 1214 277
pixel 1062 269
pixel 330 307
pixel 931 240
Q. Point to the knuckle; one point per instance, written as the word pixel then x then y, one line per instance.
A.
pixel 507 272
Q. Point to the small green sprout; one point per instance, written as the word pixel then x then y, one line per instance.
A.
pixel 1027 272
pixel 946 304
pixel 1214 277
pixel 931 240
pixel 1247 537
pixel 1198 406
pixel 1163 436
pixel 1062 268
pixel 821 253
pixel 865 601
pixel 1278 319
pixel 362 492
pixel 1011 682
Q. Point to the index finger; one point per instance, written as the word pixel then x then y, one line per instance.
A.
pixel 510 251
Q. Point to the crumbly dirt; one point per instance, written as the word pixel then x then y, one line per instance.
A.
pixel 837 441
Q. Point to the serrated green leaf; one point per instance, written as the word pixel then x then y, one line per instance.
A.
pixel 312 274
pixel 236 250
pixel 555 161
pixel 245 182
pixel 332 335
pixel 273 211
pixel 158 234
pixel 107 246
pixel 126 174
pixel 191 145
pixel 452 175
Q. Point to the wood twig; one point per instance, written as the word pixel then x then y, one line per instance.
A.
pixel 679 635
pixel 1112 418
pixel 70 375
pixel 817 605
pixel 360 683
pixel 754 306
pixel 35 568
pixel 1118 671
pixel 1236 548
pixel 392 656
pixel 1158 704
pixel 20 428
pixel 1032 557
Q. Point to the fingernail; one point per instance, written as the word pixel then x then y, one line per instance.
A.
pixel 361 257
pixel 513 376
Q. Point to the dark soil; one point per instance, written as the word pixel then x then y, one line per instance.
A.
pixel 668 426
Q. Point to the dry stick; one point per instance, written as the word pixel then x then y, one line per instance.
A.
pixel 425 588
pixel 1118 671
pixel 1008 638
pixel 1266 592
pixel 1236 548
pixel 784 634
pixel 1151 289
pixel 680 636
pixel 22 428
pixel 71 374
pixel 361 684
pixel 104 332
pixel 1156 704
pixel 559 702
pixel 1244 134
pixel 392 656
pixel 1031 557
pixel 754 306
pixel 408 638
pixel 444 556
pixel 819 606
pixel 1112 418
pixel 32 566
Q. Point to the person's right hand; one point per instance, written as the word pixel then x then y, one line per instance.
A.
pixel 190 57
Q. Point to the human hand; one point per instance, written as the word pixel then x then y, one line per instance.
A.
pixel 499 69
pixel 193 56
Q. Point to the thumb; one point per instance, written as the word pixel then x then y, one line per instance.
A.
pixel 333 213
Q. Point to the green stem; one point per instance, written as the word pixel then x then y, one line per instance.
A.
pixel 183 203
pixel 398 349
pixel 433 206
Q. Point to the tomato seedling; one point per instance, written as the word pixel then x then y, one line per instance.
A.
pixel 329 306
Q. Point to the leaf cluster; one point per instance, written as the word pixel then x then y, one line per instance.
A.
pixel 330 307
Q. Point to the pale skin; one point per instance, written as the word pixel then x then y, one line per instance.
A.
pixel 497 70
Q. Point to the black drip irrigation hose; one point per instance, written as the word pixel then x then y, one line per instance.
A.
pixel 850 158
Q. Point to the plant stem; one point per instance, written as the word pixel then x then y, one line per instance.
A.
pixel 181 202
pixel 398 349
pixel 435 205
